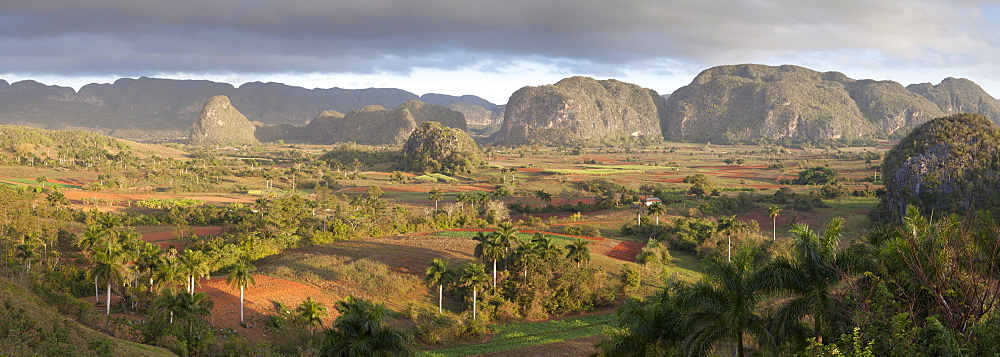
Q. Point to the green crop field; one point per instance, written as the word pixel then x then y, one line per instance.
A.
pixel 525 334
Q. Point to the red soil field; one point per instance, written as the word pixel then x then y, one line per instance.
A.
pixel 258 302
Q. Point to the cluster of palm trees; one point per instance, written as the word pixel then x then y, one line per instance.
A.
pixel 131 268
pixel 727 305
pixel 502 244
pixel 359 331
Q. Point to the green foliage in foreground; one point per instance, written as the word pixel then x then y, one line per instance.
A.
pixel 526 334
pixel 28 327
pixel 905 296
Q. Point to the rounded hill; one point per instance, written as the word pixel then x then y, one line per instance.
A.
pixel 947 165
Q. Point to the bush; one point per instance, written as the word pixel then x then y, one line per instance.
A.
pixel 819 175
pixel 653 253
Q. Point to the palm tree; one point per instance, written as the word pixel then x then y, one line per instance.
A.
pixel 92 236
pixel 728 225
pixel 437 273
pixel 526 256
pixel 578 251
pixel 724 305
pixel 169 273
pixel 656 209
pixel 499 193
pixel 311 312
pixel 109 222
pixel 195 264
pixel 359 331
pixel 545 197
pixel 546 248
pixel 148 260
pixel 27 250
pixel 241 275
pixel 773 212
pixel 189 307
pixel 110 265
pixel 436 196
pixel 646 327
pixel 474 277
pixel 490 248
pixel 506 235
pixel 816 268
pixel 169 301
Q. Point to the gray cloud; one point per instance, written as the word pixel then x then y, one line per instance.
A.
pixel 130 37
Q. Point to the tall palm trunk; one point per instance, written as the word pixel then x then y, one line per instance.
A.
pixel 729 248
pixel 241 303
pixel 473 303
pixel 774 228
pixel 739 344
pixel 494 273
pixel 108 301
pixel 440 298
pixel 816 327
pixel 97 298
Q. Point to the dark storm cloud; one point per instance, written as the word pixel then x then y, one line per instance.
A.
pixel 136 37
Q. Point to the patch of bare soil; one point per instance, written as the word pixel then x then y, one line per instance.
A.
pixel 258 302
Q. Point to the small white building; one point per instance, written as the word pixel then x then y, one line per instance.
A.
pixel 650 201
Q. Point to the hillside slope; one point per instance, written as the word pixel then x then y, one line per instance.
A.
pixel 580 111
pixel 28 327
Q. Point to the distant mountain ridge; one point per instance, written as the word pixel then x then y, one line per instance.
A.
pixel 759 103
pixel 746 103
pixel 221 123
pixel 132 108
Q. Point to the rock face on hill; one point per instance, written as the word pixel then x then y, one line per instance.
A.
pixel 757 103
pixel 959 95
pixel 580 111
pixel 433 147
pixel 151 108
pixel 221 124
pixel 375 125
pixel 947 165
pixel 477 110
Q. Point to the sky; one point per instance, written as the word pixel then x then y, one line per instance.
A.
pixel 491 48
